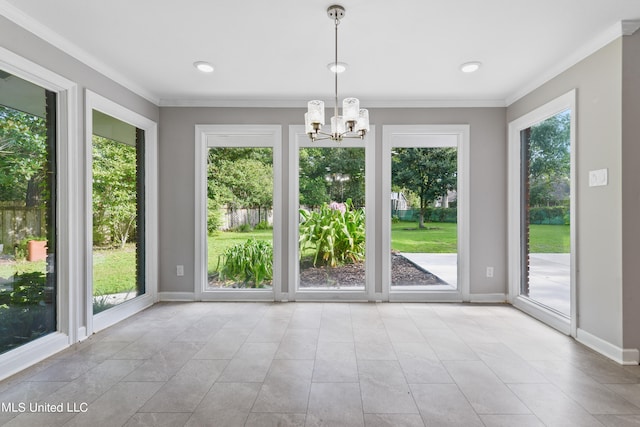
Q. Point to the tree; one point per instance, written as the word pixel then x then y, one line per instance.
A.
pixel 23 156
pixel 244 183
pixel 114 190
pixel 549 160
pixel 429 172
pixel 319 168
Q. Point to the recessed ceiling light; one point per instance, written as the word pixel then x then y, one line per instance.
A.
pixel 470 67
pixel 203 66
pixel 337 67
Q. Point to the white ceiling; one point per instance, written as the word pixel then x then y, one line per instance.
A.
pixel 274 53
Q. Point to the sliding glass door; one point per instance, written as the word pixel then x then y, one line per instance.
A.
pixel 28 227
pixel 542 213
pixel 545 193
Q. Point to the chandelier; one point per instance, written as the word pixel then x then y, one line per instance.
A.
pixel 354 122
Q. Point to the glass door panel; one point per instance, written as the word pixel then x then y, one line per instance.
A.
pixel 28 231
pixel 118 212
pixel 424 229
pixel 332 218
pixel 240 218
pixel 545 218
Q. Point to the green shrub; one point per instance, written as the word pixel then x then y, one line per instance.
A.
pixel 556 215
pixel 26 310
pixel 262 225
pixel 243 228
pixel 27 289
pixel 250 262
pixel 214 219
pixel 335 233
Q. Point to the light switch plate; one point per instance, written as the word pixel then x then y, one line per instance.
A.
pixel 598 178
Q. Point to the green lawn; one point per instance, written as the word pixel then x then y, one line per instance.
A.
pixel 114 270
pixel 441 237
pixel 436 237
pixel 549 239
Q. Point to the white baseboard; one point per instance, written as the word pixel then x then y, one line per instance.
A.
pixel 613 352
pixel 283 297
pixel 488 298
pixel 177 296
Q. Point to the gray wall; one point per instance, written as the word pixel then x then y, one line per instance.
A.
pixel 488 183
pixel 631 189
pixel 598 80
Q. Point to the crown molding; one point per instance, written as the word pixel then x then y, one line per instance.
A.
pixel 629 27
pixel 614 32
pixel 293 103
pixel 37 28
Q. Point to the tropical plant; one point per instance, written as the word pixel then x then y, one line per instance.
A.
pixel 335 233
pixel 250 263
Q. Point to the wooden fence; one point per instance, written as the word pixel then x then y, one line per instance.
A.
pixel 18 222
pixel 233 218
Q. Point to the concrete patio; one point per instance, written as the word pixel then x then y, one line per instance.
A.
pixel 549 282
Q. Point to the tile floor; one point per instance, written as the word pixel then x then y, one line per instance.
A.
pixel 326 364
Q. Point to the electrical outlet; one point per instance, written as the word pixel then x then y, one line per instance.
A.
pixel 489 271
pixel 179 270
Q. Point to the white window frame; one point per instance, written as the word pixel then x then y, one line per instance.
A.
pixel 550 109
pixel 272 138
pixel 404 136
pixel 68 213
pixel 97 322
pixel 299 139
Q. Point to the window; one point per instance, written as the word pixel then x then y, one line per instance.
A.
pixel 425 217
pixel 118 212
pixel 332 203
pixel 238 212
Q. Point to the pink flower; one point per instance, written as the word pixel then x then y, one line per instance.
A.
pixel 338 207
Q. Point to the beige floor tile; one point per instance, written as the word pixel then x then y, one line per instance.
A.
pixel 552 406
pixel 393 420
pixel 328 364
pixel 444 405
pixel 511 421
pixel 275 420
pixel 335 404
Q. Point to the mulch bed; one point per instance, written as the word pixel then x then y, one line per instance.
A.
pixel 403 273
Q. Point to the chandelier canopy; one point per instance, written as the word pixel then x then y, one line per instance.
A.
pixel 354 121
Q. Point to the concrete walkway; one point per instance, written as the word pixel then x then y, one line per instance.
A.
pixel 549 280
